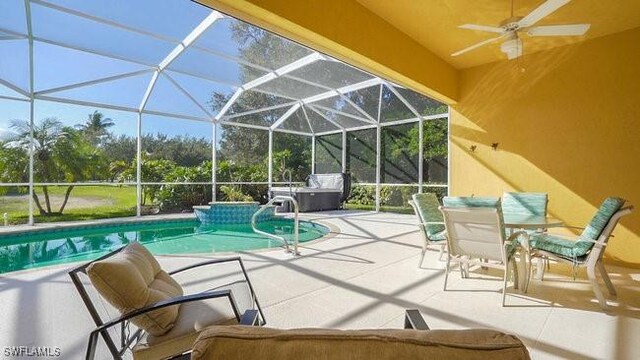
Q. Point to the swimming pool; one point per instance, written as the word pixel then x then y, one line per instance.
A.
pixel 162 237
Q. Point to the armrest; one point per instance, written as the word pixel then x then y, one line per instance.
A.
pixel 205 263
pixel 517 235
pixel 93 337
pixel 414 320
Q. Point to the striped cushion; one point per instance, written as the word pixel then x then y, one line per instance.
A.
pixel 427 205
pixel 609 207
pixel 441 236
pixel 565 248
pixel 526 203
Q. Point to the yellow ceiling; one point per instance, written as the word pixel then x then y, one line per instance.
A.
pixel 433 23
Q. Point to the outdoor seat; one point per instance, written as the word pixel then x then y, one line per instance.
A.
pixel 415 341
pixel 476 235
pixel 587 249
pixel 156 319
pixel 430 222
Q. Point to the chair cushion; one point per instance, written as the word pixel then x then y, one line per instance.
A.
pixel 133 279
pixel 609 207
pixel 563 247
pixel 526 203
pixel 427 205
pixel 192 319
pixel 441 236
pixel 245 342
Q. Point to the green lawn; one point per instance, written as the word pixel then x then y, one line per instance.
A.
pixel 385 208
pixel 85 202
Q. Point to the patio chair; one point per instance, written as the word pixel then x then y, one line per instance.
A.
pixel 584 251
pixel 166 321
pixel 430 222
pixel 476 235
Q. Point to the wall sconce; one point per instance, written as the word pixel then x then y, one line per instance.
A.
pixel 494 146
pixel 473 148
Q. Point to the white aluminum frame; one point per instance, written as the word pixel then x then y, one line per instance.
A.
pixel 220 118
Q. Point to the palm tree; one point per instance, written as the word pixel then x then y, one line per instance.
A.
pixel 60 155
pixel 95 128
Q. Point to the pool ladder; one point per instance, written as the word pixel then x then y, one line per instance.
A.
pixel 279 199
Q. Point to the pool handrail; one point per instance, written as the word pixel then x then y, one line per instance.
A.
pixel 279 198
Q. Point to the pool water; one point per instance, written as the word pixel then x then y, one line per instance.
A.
pixel 63 245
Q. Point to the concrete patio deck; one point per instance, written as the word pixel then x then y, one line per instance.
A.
pixel 364 277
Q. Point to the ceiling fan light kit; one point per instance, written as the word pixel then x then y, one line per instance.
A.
pixel 508 29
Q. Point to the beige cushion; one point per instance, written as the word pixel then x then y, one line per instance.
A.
pixel 245 342
pixel 133 279
pixel 193 318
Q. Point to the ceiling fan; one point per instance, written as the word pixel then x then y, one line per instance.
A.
pixel 509 29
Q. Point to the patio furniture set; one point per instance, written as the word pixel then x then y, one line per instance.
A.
pixel 493 232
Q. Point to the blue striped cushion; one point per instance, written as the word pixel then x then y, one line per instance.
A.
pixel 609 207
pixel 525 203
pixel 565 248
pixel 427 205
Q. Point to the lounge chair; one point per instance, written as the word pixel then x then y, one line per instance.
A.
pixel 430 222
pixel 416 341
pixel 476 235
pixel 587 249
pixel 165 321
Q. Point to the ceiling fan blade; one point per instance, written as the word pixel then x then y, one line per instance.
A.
pixel 541 11
pixel 558 30
pixel 476 45
pixel 482 28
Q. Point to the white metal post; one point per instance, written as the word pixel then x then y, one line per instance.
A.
pixel 420 154
pixel 313 154
pixel 448 150
pixel 214 164
pixel 139 167
pixel 27 6
pixel 378 163
pixel 344 150
pixel 270 169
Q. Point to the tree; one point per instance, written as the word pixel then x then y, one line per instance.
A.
pixel 95 127
pixel 61 154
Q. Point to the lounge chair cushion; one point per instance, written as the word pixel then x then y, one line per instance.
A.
pixel 609 207
pixel 248 342
pixel 192 319
pixel 427 205
pixel 133 279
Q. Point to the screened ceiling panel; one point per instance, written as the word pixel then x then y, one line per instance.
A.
pixel 296 122
pixel 368 99
pixel 87 34
pixel 263 118
pixel 330 73
pixel 200 63
pixel 424 106
pixel 13 16
pixel 392 108
pixel 127 92
pixel 290 88
pixel 5 91
pixel 342 120
pixel 249 98
pixel 259 47
pixel 176 20
pixel 318 123
pixel 168 98
pixel 339 103
pixel 211 95
pixel 56 66
pixel 14 62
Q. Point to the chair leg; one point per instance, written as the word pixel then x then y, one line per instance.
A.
pixel 446 272
pixel 591 274
pixel 516 277
pixel 605 277
pixel 441 253
pixel 504 283
pixel 424 251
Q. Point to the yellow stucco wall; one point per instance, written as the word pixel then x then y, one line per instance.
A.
pixel 350 32
pixel 568 125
